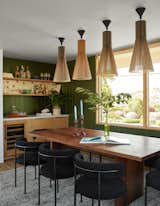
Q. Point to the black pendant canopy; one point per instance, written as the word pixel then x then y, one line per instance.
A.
pixel 140 11
pixel 61 39
pixel 106 23
pixel 81 33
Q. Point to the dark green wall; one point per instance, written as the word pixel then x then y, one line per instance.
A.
pixel 31 105
pixel 9 65
pixel 74 98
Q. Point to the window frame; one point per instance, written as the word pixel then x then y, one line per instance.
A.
pixel 122 58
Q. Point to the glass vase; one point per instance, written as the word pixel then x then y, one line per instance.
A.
pixel 106 128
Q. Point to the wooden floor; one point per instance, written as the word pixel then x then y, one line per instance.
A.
pixel 7 165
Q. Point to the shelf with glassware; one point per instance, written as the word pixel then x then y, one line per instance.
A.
pixel 28 87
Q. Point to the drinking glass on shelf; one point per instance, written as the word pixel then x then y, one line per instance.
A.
pixel 49 76
pixel 45 76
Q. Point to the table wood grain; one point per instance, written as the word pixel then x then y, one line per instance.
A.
pixel 141 147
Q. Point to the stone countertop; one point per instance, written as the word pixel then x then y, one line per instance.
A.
pixel 35 117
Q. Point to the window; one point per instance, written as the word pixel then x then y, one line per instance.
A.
pixel 131 113
pixel 154 96
pixel 143 109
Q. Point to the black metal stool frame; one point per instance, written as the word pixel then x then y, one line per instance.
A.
pixel 25 149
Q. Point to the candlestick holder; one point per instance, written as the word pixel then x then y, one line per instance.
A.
pixel 76 131
pixel 83 133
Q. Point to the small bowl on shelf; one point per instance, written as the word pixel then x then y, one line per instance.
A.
pixel 26 91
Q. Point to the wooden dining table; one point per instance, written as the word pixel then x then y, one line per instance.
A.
pixel 133 155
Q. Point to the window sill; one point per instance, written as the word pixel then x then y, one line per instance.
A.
pixel 151 128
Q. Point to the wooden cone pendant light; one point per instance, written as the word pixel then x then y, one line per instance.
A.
pixel 61 71
pixel 141 60
pixel 107 65
pixel 81 69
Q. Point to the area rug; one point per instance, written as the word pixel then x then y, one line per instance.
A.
pixel 11 196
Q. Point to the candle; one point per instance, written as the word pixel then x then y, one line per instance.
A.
pixel 75 112
pixel 81 107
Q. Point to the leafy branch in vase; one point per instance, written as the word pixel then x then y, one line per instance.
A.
pixel 104 100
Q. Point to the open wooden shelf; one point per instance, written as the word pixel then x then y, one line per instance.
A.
pixel 30 95
pixel 38 87
pixel 29 80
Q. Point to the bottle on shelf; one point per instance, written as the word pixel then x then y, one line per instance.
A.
pixel 22 72
pixel 14 109
pixel 41 75
pixel 28 73
pixel 17 73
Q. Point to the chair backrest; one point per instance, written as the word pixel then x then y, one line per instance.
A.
pixel 112 169
pixel 157 163
pixel 22 144
pixel 46 152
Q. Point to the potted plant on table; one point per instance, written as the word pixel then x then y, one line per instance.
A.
pixel 106 100
pixel 57 99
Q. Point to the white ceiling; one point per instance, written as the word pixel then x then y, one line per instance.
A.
pixel 29 28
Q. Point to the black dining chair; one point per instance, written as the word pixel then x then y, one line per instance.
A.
pixel 27 157
pixel 58 165
pixel 98 181
pixel 153 178
pixel 152 162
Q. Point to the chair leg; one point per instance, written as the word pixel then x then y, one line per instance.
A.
pixel 39 189
pixel 15 175
pixel 75 194
pixel 92 202
pixel 24 163
pixel 100 158
pixel 81 200
pixel 50 183
pixel 145 197
pixel 35 172
pixel 90 157
pixel 15 172
pixel 99 188
pixel 75 198
pixel 125 199
pixel 55 192
pixel 57 185
pixel 39 176
pixel 24 179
